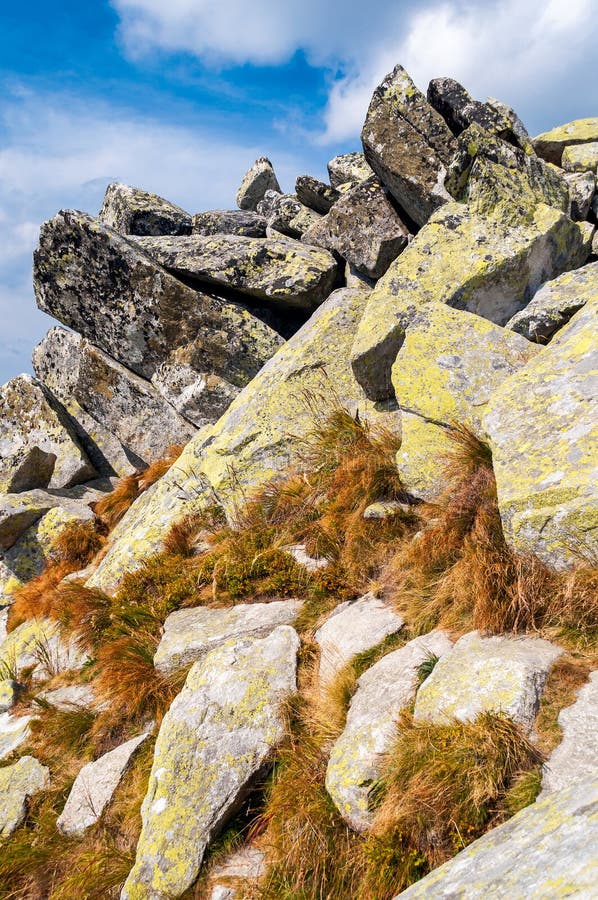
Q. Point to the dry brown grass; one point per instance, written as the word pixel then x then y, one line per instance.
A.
pixel 566 677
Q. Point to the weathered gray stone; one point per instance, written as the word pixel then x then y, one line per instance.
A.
pixel 421 458
pixel 200 398
pixel 256 181
pixel 408 145
pixel 191 633
pixel 214 741
pixel 238 874
pixel 470 262
pixel 279 271
pixel 38 645
pixel 555 303
pixel 494 674
pixel 38 446
pixel 581 158
pixel 353 627
pixel 105 287
pixel 363 227
pixel 18 783
pixel 545 852
pixel 14 731
pixel 9 691
pixel 543 429
pixel 356 758
pixel 459 110
pixel 582 186
pixel 517 126
pixel 550 144
pixel 349 168
pixel 124 403
pixel 230 221
pixel 315 194
pixel 131 210
pixel 18 512
pixel 94 788
pixel 68 698
pixel 286 215
pixel 576 757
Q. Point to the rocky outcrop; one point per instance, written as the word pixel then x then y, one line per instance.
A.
pixel 348 169
pixel 230 221
pixel 20 511
pixel 286 215
pixel 459 110
pixel 315 194
pixel 421 458
pixel 130 210
pixel 550 144
pixel 18 783
pixel 582 186
pixel 576 756
pixel 256 181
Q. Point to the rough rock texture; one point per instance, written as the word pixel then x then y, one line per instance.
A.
pixel 69 697
pixel 18 512
pixel 214 741
pixel 281 272
pixel 421 458
pixel 133 211
pixel 581 158
pixel 353 627
pixel 201 399
pixel 9 691
pixel 576 756
pixel 191 633
pixel 550 144
pixel 94 788
pixel 349 168
pixel 14 731
pixel 112 293
pixel 356 758
pixel 286 215
pixel 38 446
pixel 362 227
pixel 582 186
pixel 38 645
pixel 258 436
pixel 125 404
pixel 505 267
pixel 408 145
pixel 18 783
pixel 543 428
pixel 494 674
pixel 545 852
pixel 256 181
pixel 555 303
pixel 239 872
pixel 459 110
pixel 315 194
pixel 451 362
pixel 230 221
pixel 517 126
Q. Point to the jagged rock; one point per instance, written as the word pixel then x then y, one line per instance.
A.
pixel 581 158
pixel 229 221
pixel 353 627
pixel 191 633
pixel 349 168
pixel 356 758
pixel 542 424
pixel 451 362
pixel 494 674
pixel 555 303
pixel 38 447
pixel 387 509
pixel 256 181
pixel 408 145
pixel 14 731
pixel 421 458
pixel 239 872
pixel 315 194
pixel 216 738
pixel 105 451
pixel 201 399
pixel 112 293
pixel 282 272
pixel 517 126
pixel 550 144
pixel 18 512
pixel 547 851
pixel 582 186
pixel 362 227
pixel 68 698
pixel 259 435
pixel 124 403
pixel 18 783
pixel 9 691
pixel 505 267
pixel 131 210
pixel 286 215
pixel 39 646
pixel 576 756
pixel 94 788
pixel 459 110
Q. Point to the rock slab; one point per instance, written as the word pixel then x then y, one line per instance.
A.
pixel 18 783
pixel 576 756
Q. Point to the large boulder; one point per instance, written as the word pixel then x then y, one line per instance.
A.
pixel 408 145
pixel 230 221
pixel 422 456
pixel 545 852
pixel 470 262
pixel 348 168
pixel 581 158
pixel 543 429
pixel 18 512
pixel 38 446
pixel 363 227
pixel 124 403
pixel 582 187
pixel 131 210
pixel 256 181
pixel 261 433
pixel 286 215
pixel 214 742
pixel 18 783
pixel 577 755
pixel 315 194
pixel 102 285
pixel 278 271
pixel 459 110
pixel 550 144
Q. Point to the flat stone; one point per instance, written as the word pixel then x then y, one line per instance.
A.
pixel 18 783
pixel 576 756
pixel 555 304
pixel 256 181
pixel 315 194
pixel 421 458
pixel 94 788
pixel 38 645
pixel 550 144
pixel 14 731
pixel 70 697
pixel 131 210
pixel 543 428
pixel 546 852
pixel 582 186
pixel 494 674
pixel 281 272
pixel 581 158
pixel 353 627
pixel 229 221
pixel 191 633
pixel 408 145
pixel 215 740
pixel 356 759
pixel 18 512
pixel 348 168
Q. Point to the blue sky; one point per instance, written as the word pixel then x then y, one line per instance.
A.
pixel 179 97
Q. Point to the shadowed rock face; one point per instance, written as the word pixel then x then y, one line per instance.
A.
pixel 130 210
